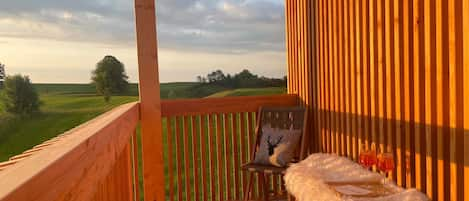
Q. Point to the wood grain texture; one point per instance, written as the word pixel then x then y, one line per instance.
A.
pixel 213 144
pixel 99 145
pixel 392 73
pixel 149 90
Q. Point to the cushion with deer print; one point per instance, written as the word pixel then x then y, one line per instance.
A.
pixel 277 146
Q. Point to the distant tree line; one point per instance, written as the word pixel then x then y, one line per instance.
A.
pixel 243 79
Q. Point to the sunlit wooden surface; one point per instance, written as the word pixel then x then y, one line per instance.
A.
pixel 207 141
pixel 90 162
pixel 392 73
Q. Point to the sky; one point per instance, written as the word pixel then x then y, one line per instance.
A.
pixel 60 41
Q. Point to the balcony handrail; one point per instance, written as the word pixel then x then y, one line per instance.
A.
pixel 187 107
pixel 71 167
pixel 212 136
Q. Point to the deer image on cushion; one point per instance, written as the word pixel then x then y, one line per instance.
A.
pixel 278 141
pixel 273 145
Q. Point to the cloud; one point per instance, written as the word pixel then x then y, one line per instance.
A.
pixel 225 26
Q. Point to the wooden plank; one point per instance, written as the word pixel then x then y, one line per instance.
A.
pixel 465 19
pixel 419 94
pixel 234 140
pixel 393 80
pixel 153 164
pixel 204 152
pixel 347 80
pixel 177 145
pixel 355 144
pixel 170 141
pixel 429 35
pixel 327 77
pixel 465 16
pixel 456 40
pixel 221 177
pixel 366 71
pixel 228 156
pixel 387 117
pixel 95 145
pixel 359 70
pixel 332 77
pixel 211 126
pixel 224 105
pixel 187 159
pixel 195 137
pixel 341 86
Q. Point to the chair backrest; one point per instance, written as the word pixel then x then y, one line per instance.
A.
pixel 282 118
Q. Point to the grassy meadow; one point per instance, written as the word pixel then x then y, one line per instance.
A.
pixel 65 106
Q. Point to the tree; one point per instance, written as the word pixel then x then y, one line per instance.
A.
pixel 109 77
pixel 2 74
pixel 215 76
pixel 19 95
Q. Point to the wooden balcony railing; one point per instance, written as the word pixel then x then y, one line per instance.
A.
pixel 94 161
pixel 207 140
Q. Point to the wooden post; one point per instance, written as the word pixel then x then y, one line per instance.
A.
pixel 150 106
pixel 300 61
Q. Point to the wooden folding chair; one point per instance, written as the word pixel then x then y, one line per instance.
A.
pixel 265 117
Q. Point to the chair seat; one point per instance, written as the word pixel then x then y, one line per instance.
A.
pixel 270 169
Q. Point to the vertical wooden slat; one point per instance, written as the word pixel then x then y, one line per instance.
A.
pixel 395 69
pixel 347 86
pixel 150 109
pixel 429 64
pixel 235 145
pixel 221 177
pixel 465 54
pixel 170 142
pixel 204 152
pixel 332 77
pixel 187 186
pixel 322 64
pixel 358 71
pixel 387 117
pixel 366 71
pixel 341 86
pixel 439 102
pixel 328 51
pixel 179 152
pixel 228 156
pixel 353 87
pixel 195 137
pixel 211 126
pixel 244 148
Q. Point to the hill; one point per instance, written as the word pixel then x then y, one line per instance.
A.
pixel 250 92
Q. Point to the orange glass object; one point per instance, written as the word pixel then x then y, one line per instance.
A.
pixel 386 162
pixel 368 158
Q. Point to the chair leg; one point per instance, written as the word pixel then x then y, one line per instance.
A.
pixel 248 189
pixel 265 188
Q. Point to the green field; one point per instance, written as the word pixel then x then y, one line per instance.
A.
pixel 65 106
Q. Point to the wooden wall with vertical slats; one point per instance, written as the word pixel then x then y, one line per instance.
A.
pixel 393 73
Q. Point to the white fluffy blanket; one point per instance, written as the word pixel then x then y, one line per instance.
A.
pixel 307 180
